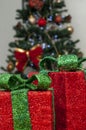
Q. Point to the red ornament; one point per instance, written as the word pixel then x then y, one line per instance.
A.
pixel 42 22
pixel 31 4
pixel 37 4
pixel 58 19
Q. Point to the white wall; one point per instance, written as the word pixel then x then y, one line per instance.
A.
pixel 77 9
pixel 7 21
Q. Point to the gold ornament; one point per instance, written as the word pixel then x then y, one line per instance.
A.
pixel 10 66
pixel 58 1
pixel 32 19
pixel 70 29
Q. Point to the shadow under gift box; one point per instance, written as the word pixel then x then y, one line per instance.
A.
pixel 70 99
pixel 40 108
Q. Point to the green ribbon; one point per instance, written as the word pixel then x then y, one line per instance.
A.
pixel 19 89
pixel 21 115
pixel 42 64
pixel 64 62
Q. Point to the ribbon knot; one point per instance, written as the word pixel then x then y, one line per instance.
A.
pixel 13 82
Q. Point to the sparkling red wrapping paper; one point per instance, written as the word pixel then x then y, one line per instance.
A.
pixel 40 107
pixel 70 99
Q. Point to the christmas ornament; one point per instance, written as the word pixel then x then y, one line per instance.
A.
pixel 42 22
pixel 32 19
pixel 70 29
pixel 58 19
pixel 37 4
pixel 10 66
pixel 68 18
pixel 18 26
pixel 58 1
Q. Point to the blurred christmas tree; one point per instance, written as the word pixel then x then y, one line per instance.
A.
pixel 43 29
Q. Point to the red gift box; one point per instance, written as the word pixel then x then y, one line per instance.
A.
pixel 69 91
pixel 70 100
pixel 26 106
pixel 40 108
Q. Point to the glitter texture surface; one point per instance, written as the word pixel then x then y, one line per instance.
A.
pixel 68 62
pixel 22 109
pixel 21 115
pixel 40 107
pixel 70 100
pixel 6 121
pixel 41 110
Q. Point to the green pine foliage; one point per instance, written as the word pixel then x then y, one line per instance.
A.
pixel 54 37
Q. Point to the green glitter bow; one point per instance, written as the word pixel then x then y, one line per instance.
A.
pixel 64 62
pixel 19 89
pixel 13 82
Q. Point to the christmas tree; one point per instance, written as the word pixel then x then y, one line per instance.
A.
pixel 43 29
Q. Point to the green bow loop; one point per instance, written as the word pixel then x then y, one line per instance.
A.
pixel 68 62
pixel 44 81
pixel 14 81
pixel 4 81
pixel 64 62
pixel 46 59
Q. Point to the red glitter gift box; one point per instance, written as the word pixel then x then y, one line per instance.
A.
pixel 69 90
pixel 70 99
pixel 40 107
